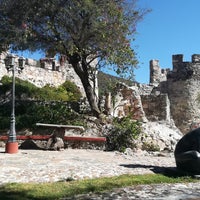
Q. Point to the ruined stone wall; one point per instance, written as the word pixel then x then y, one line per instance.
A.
pixel 157 74
pixel 43 72
pixel 3 70
pixel 156 108
pixel 127 102
pixel 182 85
pixel 139 103
pixel 145 89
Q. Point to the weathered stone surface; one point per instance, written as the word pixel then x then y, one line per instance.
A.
pixel 158 136
pixel 127 101
pixel 151 103
pixel 55 143
pixel 156 74
pixel 187 152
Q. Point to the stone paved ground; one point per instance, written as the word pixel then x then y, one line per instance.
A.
pixel 50 166
pixel 188 191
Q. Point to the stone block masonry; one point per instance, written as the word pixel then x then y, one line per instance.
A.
pixel 43 72
pixel 157 74
pixel 182 87
pixel 156 108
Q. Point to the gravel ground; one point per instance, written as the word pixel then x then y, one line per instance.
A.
pixel 50 166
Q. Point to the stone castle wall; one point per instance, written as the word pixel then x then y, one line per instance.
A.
pixel 182 87
pixel 172 95
pixel 43 72
pixel 156 108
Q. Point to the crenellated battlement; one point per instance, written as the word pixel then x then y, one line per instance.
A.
pixel 196 58
pixel 178 58
pixel 45 63
pixel 178 63
pixel 182 70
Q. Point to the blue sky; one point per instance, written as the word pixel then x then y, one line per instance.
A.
pixel 172 27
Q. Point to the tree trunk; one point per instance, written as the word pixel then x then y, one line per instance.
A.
pixel 91 96
pixel 82 72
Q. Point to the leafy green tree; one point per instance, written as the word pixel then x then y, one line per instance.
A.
pixel 82 30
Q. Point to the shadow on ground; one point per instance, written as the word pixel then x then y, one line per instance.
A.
pixel 167 171
pixel 9 194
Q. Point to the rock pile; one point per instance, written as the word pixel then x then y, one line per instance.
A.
pixel 159 136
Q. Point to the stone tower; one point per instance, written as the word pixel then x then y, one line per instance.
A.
pixel 157 74
pixel 183 84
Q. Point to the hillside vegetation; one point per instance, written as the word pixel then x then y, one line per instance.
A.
pixel 107 82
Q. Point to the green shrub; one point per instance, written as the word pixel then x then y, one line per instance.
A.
pixel 28 113
pixel 68 91
pixel 123 134
pixel 72 89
